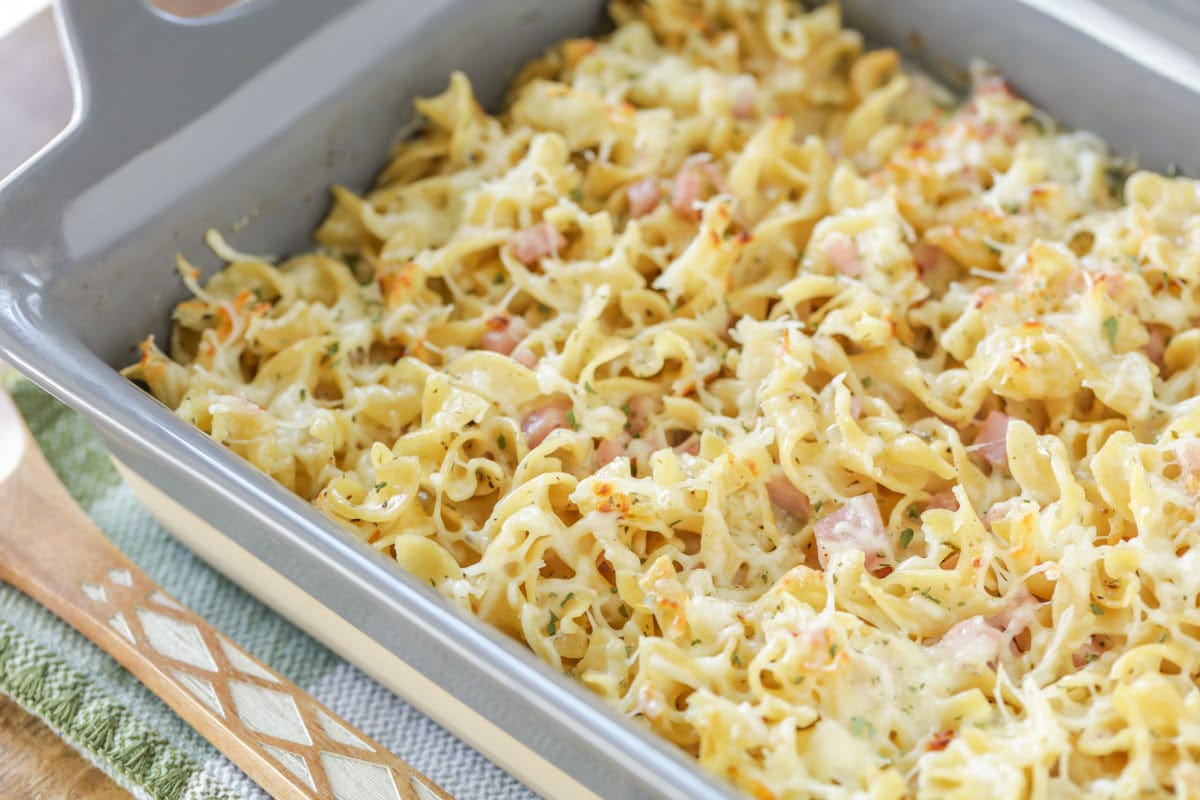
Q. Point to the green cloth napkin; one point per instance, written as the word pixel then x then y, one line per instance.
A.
pixel 102 710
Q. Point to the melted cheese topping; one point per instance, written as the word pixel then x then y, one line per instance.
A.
pixel 845 435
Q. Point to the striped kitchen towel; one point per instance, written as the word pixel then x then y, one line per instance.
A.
pixel 101 710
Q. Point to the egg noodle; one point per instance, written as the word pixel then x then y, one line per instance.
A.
pixel 846 434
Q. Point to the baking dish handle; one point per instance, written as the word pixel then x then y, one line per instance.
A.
pixel 122 52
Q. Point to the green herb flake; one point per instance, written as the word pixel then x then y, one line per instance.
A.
pixel 1110 330
pixel 303 394
pixel 380 485
pixel 906 538
pixel 499 279
pixel 866 382
pixel 861 725
pixel 1097 610
pixel 624 611
pixel 552 627
pixel 833 648
pixel 571 420
pixel 696 642
pixel 502 442
pixel 817 507
pixel 566 599
pixel 912 510
pixel 735 659
pixel 587 386
pixel 332 349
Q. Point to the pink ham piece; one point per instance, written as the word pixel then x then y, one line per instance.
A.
pixel 1187 453
pixel 504 334
pixel 689 183
pixel 1156 345
pixel 972 644
pixel 928 258
pixel 533 244
pixel 641 408
pixel 643 197
pixel 843 255
pixel 744 90
pixel 990 441
pixel 1011 508
pixel 541 421
pixel 609 450
pixel 1092 649
pixel 784 494
pixel 637 449
pixel 855 526
pixel 934 266
pixel 1017 613
pixel 525 357
pixel 945 500
pixel 690 445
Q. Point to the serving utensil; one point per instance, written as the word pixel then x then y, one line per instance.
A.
pixel 288 743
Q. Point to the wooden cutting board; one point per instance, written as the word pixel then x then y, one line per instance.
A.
pixel 35 104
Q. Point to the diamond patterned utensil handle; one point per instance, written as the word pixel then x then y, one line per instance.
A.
pixel 288 743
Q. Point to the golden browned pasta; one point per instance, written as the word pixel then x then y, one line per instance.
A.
pixel 845 434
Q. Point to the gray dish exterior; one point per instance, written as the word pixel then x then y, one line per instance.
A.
pixel 241 122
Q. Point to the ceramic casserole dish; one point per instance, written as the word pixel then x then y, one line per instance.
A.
pixel 241 121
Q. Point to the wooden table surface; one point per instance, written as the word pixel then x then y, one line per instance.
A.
pixel 35 103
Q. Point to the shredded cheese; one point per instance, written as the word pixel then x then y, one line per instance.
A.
pixel 848 437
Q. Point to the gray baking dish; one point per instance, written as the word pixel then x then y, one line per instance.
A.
pixel 242 120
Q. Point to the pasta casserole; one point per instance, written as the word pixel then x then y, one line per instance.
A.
pixel 843 431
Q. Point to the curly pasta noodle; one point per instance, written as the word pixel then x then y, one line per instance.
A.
pixel 846 434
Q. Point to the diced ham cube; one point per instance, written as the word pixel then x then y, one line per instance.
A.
pixel 533 244
pixel 1089 651
pixel 1011 508
pixel 857 525
pixel 609 450
pixel 935 267
pixel 689 184
pixel 525 357
pixel 1156 345
pixel 643 197
pixel 690 445
pixel 640 448
pixel 641 408
pixel 945 500
pixel 990 441
pixel 972 644
pixel 541 421
pixel 1017 613
pixel 1187 453
pixel 744 91
pixel 504 334
pixel 784 494
pixel 685 192
pixel 928 258
pixel 1113 283
pixel 843 255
